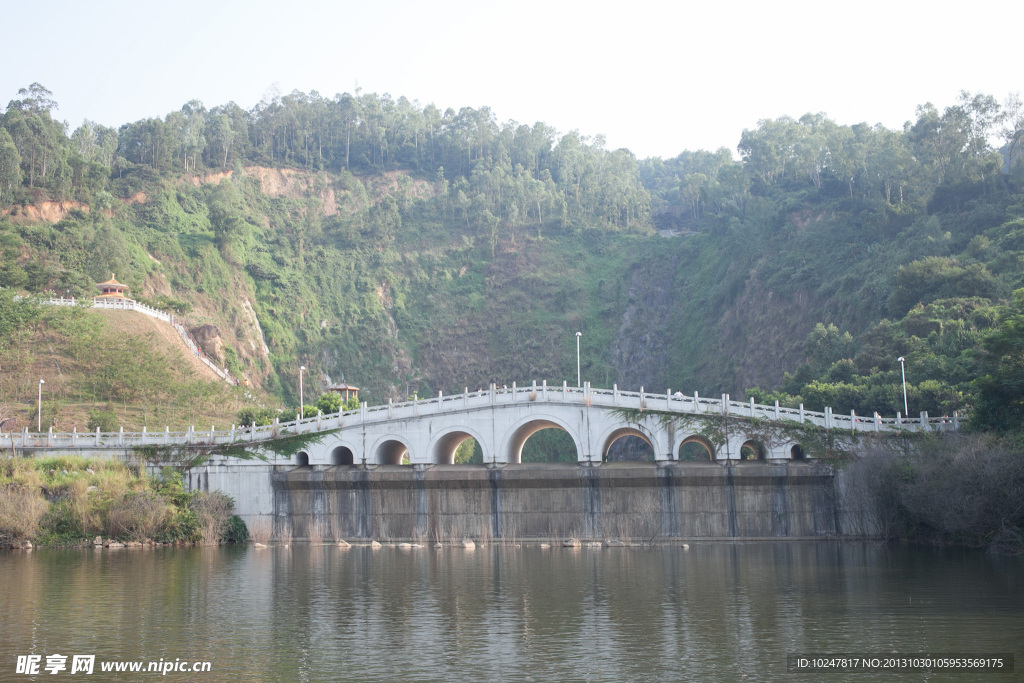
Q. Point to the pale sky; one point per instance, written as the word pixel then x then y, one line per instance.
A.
pixel 655 77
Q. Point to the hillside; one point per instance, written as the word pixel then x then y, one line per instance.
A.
pixel 408 250
pixel 110 368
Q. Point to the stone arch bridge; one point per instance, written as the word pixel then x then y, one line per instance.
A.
pixel 501 419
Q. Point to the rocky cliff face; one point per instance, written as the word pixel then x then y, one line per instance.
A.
pixel 210 341
pixel 644 339
pixel 752 341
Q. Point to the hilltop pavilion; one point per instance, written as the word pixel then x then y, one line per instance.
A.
pixel 112 289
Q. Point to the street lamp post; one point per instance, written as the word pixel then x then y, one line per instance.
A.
pixel 578 382
pixel 302 406
pixel 903 372
pixel 39 414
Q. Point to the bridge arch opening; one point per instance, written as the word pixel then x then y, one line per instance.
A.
pixel 696 449
pixel 797 452
pixel 456 446
pixel 302 459
pixel 391 452
pixel 543 441
pixel 342 455
pixel 627 444
pixel 753 450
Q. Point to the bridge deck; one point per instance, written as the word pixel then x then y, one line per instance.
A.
pixel 536 394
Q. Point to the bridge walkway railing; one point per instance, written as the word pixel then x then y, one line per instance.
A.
pixel 478 400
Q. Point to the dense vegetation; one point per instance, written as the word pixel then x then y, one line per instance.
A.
pixel 411 250
pixel 70 501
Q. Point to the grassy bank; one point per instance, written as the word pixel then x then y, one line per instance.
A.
pixel 69 501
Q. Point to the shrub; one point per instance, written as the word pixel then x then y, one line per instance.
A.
pixel 255 416
pixel 213 514
pixel 105 420
pixel 329 402
pixel 61 524
pixel 949 489
pixel 236 531
pixel 183 526
pixel 137 516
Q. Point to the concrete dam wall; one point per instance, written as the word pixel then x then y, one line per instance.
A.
pixel 636 501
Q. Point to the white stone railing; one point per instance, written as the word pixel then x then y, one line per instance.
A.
pixel 118 303
pixel 481 400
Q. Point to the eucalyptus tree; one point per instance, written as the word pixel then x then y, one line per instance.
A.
pixel 40 140
pixel 1012 130
pixel 10 168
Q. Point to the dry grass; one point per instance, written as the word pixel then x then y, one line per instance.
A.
pixel 260 530
pixel 20 513
pixel 214 513
pixel 510 529
pixel 315 534
pixel 641 523
pixel 137 516
pixel 484 535
pixel 88 519
pixel 284 537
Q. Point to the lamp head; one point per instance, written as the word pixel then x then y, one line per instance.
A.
pixel 302 367
pixel 42 381
pixel 900 359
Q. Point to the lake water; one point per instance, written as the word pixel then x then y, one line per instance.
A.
pixel 717 611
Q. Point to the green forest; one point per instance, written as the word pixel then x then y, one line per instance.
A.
pixel 408 250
